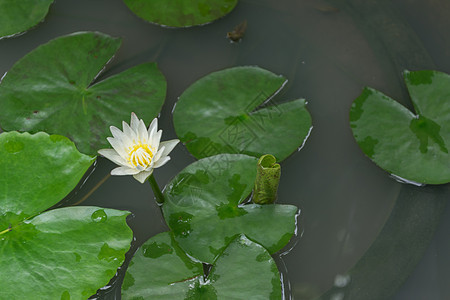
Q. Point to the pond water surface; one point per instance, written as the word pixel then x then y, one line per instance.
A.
pixel 329 50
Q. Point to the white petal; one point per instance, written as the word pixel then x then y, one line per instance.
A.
pixel 113 156
pixel 152 128
pixel 142 176
pixel 142 132
pixel 118 145
pixel 156 139
pixel 134 122
pixel 161 162
pixel 158 154
pixel 124 171
pixel 168 146
pixel 140 168
pixel 128 131
pixel 115 131
pixel 118 134
pixel 150 137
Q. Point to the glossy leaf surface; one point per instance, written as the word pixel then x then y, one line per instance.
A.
pixel 161 270
pixel 65 253
pixel 204 207
pixel 232 111
pixel 155 266
pixel 181 13
pixel 18 16
pixel 37 171
pixel 412 146
pixel 60 96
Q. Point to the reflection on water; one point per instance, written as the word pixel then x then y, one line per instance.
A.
pixel 328 50
pixel 406 181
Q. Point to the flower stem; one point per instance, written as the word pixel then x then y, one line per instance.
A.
pixel 93 190
pixel 156 191
pixel 5 231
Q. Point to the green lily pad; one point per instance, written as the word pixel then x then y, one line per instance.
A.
pixel 204 207
pixel 59 96
pixel 181 13
pixel 411 146
pixel 66 253
pixel 19 16
pixel 161 270
pixel 37 171
pixel 232 111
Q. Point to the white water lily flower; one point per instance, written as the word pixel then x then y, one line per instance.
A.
pixel 137 150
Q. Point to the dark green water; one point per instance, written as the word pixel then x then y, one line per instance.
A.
pixel 329 50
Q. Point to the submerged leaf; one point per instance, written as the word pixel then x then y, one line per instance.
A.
pixel 181 13
pixel 19 16
pixel 414 147
pixel 386 265
pixel 204 207
pixel 161 270
pixel 52 89
pixel 233 111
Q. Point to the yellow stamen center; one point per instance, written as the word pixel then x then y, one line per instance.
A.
pixel 140 155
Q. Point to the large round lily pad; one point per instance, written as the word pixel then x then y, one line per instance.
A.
pixel 233 111
pixel 181 13
pixel 66 253
pixel 36 172
pixel 53 89
pixel 411 146
pixel 161 270
pixel 19 16
pixel 204 207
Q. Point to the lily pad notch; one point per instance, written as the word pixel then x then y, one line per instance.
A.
pixel 61 96
pixel 204 207
pixel 160 270
pixel 235 111
pixel 412 146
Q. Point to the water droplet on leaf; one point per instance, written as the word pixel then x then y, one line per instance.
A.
pixel 99 216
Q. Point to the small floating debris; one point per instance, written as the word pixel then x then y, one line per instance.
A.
pixel 238 32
